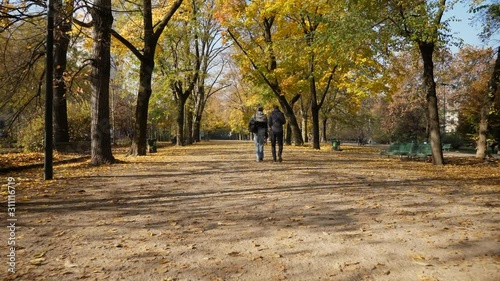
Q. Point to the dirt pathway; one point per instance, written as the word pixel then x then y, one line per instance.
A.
pixel 210 212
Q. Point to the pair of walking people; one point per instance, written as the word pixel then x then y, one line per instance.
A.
pixel 275 124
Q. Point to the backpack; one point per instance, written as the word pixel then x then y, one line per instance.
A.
pixel 252 126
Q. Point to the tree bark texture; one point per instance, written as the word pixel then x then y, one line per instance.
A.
pixel 314 112
pixel 139 143
pixel 100 125
pixel 324 122
pixel 198 109
pixel 150 39
pixel 426 51
pixel 181 102
pixel 189 124
pixel 61 43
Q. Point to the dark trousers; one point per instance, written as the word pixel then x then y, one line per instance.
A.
pixel 276 137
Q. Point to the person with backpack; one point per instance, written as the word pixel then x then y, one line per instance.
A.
pixel 276 122
pixel 258 127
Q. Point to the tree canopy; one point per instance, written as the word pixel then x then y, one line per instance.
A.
pixel 337 69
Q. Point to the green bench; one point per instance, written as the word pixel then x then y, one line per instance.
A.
pixel 446 147
pixel 410 150
pixel 398 149
pixel 424 151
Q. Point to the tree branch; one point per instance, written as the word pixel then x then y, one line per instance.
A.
pixel 83 24
pixel 127 44
pixel 160 26
pixel 252 62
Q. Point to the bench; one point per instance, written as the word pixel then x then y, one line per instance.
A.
pixel 424 151
pixel 410 150
pixel 446 146
pixel 398 149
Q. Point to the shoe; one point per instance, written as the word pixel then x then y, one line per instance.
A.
pixel 280 159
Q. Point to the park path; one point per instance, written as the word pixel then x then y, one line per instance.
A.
pixel 210 212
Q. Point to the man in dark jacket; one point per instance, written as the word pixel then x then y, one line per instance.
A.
pixel 276 122
pixel 261 134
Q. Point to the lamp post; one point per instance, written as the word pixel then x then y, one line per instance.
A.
pixel 49 90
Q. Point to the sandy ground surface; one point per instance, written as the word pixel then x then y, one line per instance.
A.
pixel 210 212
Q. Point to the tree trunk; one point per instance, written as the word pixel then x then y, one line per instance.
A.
pixel 288 137
pixel 139 141
pixel 324 123
pixel 197 128
pixel 315 126
pixel 271 67
pixel 487 108
pixel 426 51
pixel 291 120
pixel 181 102
pixel 151 34
pixel 314 111
pixel 483 132
pixel 61 43
pixel 100 126
pixel 199 108
pixel 305 137
pixel 189 124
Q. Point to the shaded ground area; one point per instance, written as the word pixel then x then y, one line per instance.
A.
pixel 210 212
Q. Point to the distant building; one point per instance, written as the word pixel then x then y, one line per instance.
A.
pixel 451 122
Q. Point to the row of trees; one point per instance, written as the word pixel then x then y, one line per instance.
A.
pixel 176 42
pixel 342 50
pixel 322 61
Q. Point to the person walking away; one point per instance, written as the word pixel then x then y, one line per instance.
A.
pixel 261 121
pixel 276 122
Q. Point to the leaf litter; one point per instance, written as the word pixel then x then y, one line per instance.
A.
pixel 209 212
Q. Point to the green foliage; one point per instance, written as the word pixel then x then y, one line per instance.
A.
pixel 456 140
pixel 31 135
pixel 79 121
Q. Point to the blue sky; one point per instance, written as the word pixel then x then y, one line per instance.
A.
pixel 463 29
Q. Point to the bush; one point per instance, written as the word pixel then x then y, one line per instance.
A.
pixel 79 121
pixel 31 136
pixel 31 133
pixel 454 139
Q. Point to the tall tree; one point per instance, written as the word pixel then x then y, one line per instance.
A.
pixel 328 61
pixel 63 22
pixel 210 50
pixel 472 68
pixel 146 56
pixel 180 64
pixel 421 24
pixel 490 17
pixel 309 23
pixel 251 27
pixel 102 21
pixel 487 108
pixel 239 102
pixel 27 12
